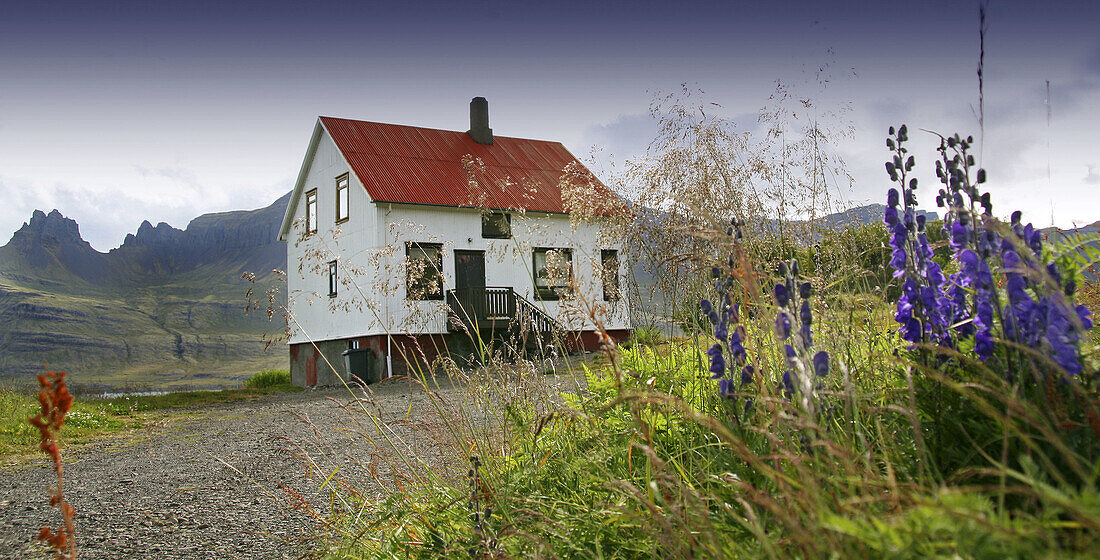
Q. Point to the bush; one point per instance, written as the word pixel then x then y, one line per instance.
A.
pixel 267 379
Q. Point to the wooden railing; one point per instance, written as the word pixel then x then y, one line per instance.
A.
pixel 481 308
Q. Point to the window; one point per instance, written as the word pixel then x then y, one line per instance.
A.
pixel 553 272
pixel 332 279
pixel 496 225
pixel 311 211
pixel 609 271
pixel 424 270
pixel 342 211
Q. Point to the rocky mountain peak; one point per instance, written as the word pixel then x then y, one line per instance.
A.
pixel 149 236
pixel 49 230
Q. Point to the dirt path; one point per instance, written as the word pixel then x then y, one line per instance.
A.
pixel 217 482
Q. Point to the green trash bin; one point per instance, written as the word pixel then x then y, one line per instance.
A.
pixel 360 363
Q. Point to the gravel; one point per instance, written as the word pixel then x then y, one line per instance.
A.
pixel 241 480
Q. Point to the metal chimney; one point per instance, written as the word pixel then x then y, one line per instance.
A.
pixel 479 121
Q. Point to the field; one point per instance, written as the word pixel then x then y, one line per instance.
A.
pixel 92 418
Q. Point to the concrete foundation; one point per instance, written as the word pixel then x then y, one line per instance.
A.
pixel 321 364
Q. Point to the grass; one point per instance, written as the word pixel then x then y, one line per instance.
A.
pixel 91 418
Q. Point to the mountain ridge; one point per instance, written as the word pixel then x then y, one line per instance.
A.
pixel 165 308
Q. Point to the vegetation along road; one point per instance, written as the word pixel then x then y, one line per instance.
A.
pixel 227 481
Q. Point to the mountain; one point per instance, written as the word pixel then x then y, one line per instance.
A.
pixel 165 309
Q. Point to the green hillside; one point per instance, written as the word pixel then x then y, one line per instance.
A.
pixel 166 310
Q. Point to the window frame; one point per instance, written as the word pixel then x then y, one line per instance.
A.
pixel 606 274
pixel 333 278
pixel 549 292
pixel 311 206
pixel 409 288
pixel 345 197
pixel 487 218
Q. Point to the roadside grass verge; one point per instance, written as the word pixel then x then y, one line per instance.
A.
pixel 90 418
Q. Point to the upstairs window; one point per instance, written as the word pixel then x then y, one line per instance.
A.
pixel 424 270
pixel 342 210
pixel 553 272
pixel 311 211
pixel 333 281
pixel 609 271
pixel 496 225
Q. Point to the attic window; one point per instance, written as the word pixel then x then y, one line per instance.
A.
pixel 553 272
pixel 424 270
pixel 342 212
pixel 496 225
pixel 311 211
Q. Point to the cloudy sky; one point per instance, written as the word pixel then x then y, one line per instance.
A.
pixel 118 112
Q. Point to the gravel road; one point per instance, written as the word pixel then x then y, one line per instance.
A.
pixel 226 481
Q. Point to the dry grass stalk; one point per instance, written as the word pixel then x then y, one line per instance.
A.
pixel 56 402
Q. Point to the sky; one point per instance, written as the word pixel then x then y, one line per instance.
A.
pixel 115 112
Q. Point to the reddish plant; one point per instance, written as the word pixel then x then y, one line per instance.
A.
pixel 56 402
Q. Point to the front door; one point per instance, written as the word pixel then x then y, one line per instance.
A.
pixel 469 269
pixel 470 284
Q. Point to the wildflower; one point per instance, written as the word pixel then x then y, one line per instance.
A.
pixel 746 375
pixel 783 325
pixel 717 362
pixel 782 296
pixel 821 363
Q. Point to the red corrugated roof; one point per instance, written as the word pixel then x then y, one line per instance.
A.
pixel 407 164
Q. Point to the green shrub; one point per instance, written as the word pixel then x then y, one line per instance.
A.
pixel 268 378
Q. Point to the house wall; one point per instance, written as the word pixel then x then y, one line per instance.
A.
pixel 370 248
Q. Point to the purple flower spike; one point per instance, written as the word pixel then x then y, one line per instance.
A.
pixel 821 363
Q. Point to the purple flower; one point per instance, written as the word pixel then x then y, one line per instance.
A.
pixel 717 362
pixel 959 236
pixel 781 295
pixel 706 306
pixel 821 363
pixel 787 384
pixel 746 375
pixel 1063 340
pixel 1083 314
pixel 737 347
pixel 805 314
pixel 891 217
pixel 783 325
pixel 726 389
pixel 892 197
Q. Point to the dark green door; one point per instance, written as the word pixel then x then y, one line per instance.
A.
pixel 470 299
pixel 469 269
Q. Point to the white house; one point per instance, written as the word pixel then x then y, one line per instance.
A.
pixel 414 242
